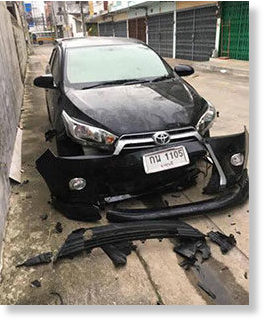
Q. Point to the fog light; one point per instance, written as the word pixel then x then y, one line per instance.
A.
pixel 77 183
pixel 237 159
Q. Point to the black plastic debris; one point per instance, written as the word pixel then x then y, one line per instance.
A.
pixel 35 284
pixel 225 200
pixel 85 239
pixel 118 252
pixel 44 258
pixel 189 249
pixel 49 135
pixel 58 227
pixel 225 242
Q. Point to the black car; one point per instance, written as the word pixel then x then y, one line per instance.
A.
pixel 127 124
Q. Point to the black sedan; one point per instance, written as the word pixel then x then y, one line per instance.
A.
pixel 127 124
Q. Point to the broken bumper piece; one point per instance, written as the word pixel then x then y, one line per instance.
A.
pixel 85 239
pixel 230 198
pixel 79 183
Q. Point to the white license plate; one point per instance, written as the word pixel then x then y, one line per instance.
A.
pixel 165 159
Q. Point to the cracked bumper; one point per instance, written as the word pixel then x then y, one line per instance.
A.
pixel 110 175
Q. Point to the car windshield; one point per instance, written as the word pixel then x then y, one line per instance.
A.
pixel 88 65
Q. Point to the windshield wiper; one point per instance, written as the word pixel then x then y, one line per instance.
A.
pixel 160 78
pixel 120 81
pixel 129 81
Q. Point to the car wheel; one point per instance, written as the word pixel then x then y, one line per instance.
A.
pixel 40 42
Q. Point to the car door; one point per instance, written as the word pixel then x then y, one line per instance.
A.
pixel 48 92
pixel 53 95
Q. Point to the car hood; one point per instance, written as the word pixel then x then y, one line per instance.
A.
pixel 139 108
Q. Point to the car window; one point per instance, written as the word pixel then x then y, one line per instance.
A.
pixel 55 70
pixel 115 62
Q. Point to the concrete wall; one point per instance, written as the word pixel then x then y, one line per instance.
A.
pixel 11 94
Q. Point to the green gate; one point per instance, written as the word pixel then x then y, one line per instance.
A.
pixel 234 41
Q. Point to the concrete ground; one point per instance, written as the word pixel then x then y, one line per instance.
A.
pixel 152 274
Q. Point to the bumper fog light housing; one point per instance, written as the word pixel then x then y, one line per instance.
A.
pixel 77 183
pixel 237 159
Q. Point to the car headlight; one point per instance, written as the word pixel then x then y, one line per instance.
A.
pixel 86 134
pixel 206 120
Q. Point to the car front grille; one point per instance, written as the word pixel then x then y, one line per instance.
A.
pixel 145 140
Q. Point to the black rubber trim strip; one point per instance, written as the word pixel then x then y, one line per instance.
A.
pixel 89 238
pixel 228 199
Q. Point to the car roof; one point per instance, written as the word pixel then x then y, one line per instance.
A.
pixel 95 41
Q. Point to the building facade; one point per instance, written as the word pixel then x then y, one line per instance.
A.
pixel 192 30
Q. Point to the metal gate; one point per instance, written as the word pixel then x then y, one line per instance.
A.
pixel 160 34
pixel 106 29
pixel 235 30
pixel 121 29
pixel 195 33
pixel 137 28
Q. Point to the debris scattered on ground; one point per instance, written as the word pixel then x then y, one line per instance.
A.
pixel 100 236
pixel 35 284
pixel 189 248
pixel 238 232
pixel 225 242
pixel 233 223
pixel 116 239
pixel 28 196
pixel 49 135
pixel 43 258
pixel 206 290
pixel 58 227
pixel 246 275
pixel 25 182
pixel 44 216
pixel 118 252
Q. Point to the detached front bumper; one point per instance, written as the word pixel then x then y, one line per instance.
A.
pixel 112 175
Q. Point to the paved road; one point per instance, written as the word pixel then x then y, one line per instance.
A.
pixel 152 274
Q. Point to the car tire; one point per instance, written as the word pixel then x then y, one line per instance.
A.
pixel 40 42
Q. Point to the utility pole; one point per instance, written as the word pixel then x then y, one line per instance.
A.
pixel 54 20
pixel 43 21
pixel 65 15
pixel 83 23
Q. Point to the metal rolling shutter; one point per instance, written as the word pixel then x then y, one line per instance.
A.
pixel 160 34
pixel 106 29
pixel 121 29
pixel 235 30
pixel 195 33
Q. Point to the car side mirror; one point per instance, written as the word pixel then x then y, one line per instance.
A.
pixel 183 70
pixel 45 81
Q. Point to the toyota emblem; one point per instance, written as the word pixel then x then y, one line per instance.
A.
pixel 161 138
